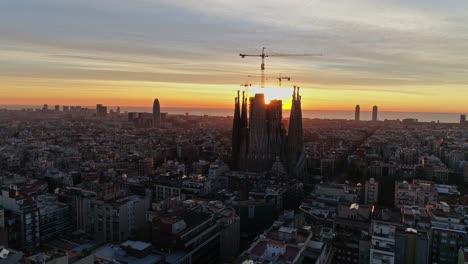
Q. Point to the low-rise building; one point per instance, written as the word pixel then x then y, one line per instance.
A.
pixel 196 231
pixel 116 219
pixel 382 242
pixel 352 226
pixel 418 193
pixel 284 242
pixel 128 252
pixel 165 191
pixel 10 256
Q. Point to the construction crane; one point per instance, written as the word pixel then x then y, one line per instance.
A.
pixel 279 78
pixel 263 56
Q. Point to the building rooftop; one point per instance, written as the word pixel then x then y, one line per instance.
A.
pixel 114 253
pixel 6 253
pixel 315 245
pixel 138 245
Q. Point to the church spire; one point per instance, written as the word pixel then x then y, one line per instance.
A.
pixel 295 135
pixel 236 132
pixel 244 121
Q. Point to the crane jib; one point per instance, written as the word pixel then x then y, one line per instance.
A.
pixel 263 56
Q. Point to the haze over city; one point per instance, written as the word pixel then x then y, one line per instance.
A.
pixel 403 56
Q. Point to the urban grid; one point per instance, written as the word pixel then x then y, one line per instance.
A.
pixel 84 185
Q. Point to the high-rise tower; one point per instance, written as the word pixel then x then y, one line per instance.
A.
pixel 156 113
pixel 295 146
pixel 357 113
pixel 375 110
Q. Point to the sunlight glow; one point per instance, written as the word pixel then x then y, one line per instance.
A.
pixel 273 93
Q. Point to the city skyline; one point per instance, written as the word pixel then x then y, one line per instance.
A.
pixel 87 52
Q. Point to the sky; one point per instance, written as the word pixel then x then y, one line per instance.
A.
pixel 399 55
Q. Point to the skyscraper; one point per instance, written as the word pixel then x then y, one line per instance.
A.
pixel 375 110
pixel 462 119
pixel 357 113
pixel 156 113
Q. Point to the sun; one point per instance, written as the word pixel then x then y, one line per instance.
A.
pixel 273 93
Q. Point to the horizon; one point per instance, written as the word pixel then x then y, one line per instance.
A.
pixel 149 107
pixel 366 115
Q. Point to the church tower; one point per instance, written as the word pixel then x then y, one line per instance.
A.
pixel 295 145
pixel 236 134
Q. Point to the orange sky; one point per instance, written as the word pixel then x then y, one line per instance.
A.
pixel 134 93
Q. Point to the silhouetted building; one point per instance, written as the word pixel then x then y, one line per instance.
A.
pixel 156 113
pixel 357 113
pixel 240 134
pixel 375 110
pixel 244 132
pixel 163 117
pixel 101 111
pixel 258 135
pixel 257 144
pixel 57 108
pixel 265 133
pixel 462 119
pixel 236 132
pixel 45 107
pixel 295 149
pixel 141 120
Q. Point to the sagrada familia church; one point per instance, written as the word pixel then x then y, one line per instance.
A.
pixel 260 140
